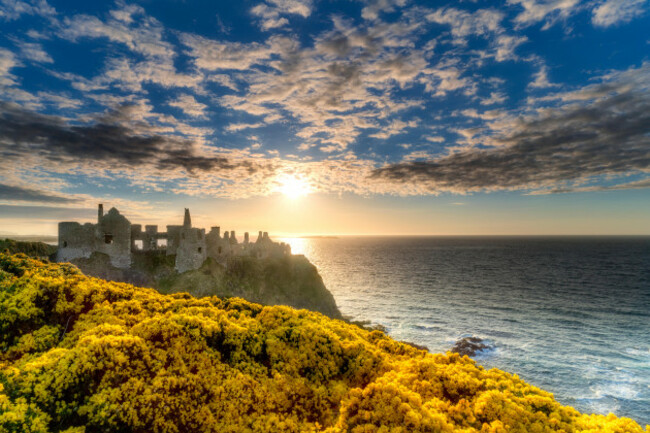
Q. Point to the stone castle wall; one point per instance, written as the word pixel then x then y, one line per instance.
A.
pixel 76 241
pixel 115 236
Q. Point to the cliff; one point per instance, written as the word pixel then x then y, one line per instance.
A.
pixel 79 354
pixel 288 280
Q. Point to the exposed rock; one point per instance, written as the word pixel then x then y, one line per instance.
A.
pixel 273 280
pixel 290 280
pixel 470 346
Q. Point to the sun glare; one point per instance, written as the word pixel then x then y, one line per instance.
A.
pixel 293 187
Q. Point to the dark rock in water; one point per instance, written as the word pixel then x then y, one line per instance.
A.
pixel 470 346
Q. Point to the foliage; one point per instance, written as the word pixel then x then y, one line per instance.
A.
pixel 80 354
pixel 32 249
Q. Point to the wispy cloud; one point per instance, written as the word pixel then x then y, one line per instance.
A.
pixel 607 133
pixel 34 51
pixel 128 25
pixel 110 140
pixel 8 61
pixel 612 12
pixel 189 105
pixel 374 7
pixel 15 193
pixel 339 96
pixel 541 80
pixel 236 127
pixel 548 11
pixel 272 12
pixel 13 9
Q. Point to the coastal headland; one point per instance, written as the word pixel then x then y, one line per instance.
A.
pixel 80 354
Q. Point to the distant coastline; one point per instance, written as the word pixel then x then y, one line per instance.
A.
pixel 46 239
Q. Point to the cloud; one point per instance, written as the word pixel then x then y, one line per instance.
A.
pixel 143 36
pixel 113 141
pixel 541 80
pixel 270 13
pixel 129 75
pixel 332 90
pixel 495 98
pixel 34 52
pixel 416 155
pixel 611 12
pixel 130 26
pixel 215 55
pixel 506 45
pixel 606 134
pixel 59 100
pixel 483 22
pixel 374 7
pixel 13 9
pixel 24 194
pixel 54 213
pixel 236 127
pixel 353 76
pixel 8 61
pixel 394 128
pixel 637 184
pixel 543 10
pixel 189 106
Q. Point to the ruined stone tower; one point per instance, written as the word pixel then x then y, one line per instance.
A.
pixel 192 250
pixel 111 236
pixel 187 221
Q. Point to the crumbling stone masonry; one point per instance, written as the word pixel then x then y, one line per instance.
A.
pixel 115 236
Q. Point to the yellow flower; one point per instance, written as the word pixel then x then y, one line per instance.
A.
pixel 81 354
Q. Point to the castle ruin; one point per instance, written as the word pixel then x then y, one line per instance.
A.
pixel 115 236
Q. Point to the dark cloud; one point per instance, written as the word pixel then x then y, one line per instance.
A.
pixel 610 136
pixel 637 184
pixel 46 212
pixel 112 138
pixel 17 193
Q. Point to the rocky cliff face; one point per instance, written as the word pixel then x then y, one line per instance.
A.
pixel 289 280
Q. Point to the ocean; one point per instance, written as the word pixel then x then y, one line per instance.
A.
pixel 570 315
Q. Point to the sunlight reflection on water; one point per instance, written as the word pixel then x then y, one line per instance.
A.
pixel 298 245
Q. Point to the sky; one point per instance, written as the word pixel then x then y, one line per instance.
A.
pixel 328 117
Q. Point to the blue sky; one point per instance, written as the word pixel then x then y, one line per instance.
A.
pixel 469 117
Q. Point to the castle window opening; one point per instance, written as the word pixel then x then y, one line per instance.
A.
pixel 200 249
pixel 219 251
pixel 137 244
pixel 161 243
pixel 65 244
pixel 108 238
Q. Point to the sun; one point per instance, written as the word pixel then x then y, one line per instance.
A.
pixel 293 187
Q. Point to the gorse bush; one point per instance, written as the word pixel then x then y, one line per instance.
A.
pixel 80 354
